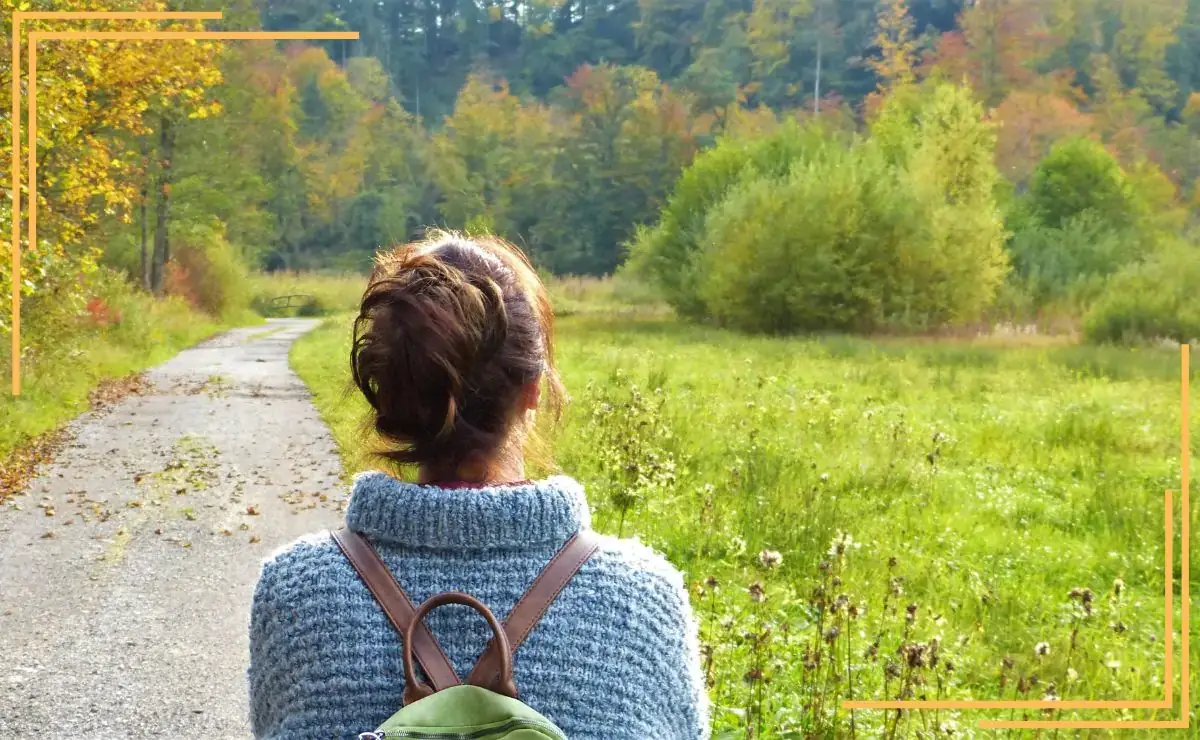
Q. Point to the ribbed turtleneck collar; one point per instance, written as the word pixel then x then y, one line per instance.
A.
pixel 535 513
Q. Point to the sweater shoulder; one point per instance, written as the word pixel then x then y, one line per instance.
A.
pixel 640 568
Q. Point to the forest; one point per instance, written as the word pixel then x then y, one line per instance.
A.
pixel 606 135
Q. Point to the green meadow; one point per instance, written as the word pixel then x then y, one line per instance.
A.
pixel 871 519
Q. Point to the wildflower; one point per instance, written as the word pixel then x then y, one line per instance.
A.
pixel 1050 694
pixel 914 654
pixel 948 727
pixel 1007 662
pixel 831 634
pixel 892 561
pixel 1072 675
pixel 711 582
pixel 840 603
pixel 872 652
pixel 824 477
pixel 896 585
pixel 1112 664
pixel 770 559
pixel 836 581
pixel 891 670
pixel 757 595
pixel 823 565
pixel 857 610
pixel 911 613
pixel 1118 627
pixel 753 676
pixel 1041 649
pixel 1118 588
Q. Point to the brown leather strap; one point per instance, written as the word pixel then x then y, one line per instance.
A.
pixel 542 592
pixel 397 607
pixel 414 690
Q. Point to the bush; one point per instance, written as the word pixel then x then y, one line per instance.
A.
pixel 205 271
pixel 1070 262
pixel 1150 300
pixel 807 252
pixel 664 254
pixel 803 231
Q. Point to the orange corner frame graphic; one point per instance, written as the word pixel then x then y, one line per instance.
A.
pixel 34 38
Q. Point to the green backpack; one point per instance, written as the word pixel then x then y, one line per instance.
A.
pixel 487 706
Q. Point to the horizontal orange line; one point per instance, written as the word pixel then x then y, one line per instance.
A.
pixel 41 15
pixel 209 35
pixel 1139 724
pixel 1012 704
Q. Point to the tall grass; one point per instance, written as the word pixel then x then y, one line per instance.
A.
pixel 874 520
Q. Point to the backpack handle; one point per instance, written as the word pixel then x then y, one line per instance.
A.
pixel 501 683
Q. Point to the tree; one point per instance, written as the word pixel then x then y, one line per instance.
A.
pixel 1077 176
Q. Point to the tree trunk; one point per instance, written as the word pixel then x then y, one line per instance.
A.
pixel 162 244
pixel 143 216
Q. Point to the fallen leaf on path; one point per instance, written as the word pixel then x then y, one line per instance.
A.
pixel 252 510
pixel 255 539
pixel 158 531
pixel 49 511
pixel 49 535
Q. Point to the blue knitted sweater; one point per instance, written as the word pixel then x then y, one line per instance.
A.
pixel 616 656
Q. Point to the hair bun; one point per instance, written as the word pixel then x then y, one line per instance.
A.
pixel 446 338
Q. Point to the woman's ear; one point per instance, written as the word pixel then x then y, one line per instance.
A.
pixel 531 395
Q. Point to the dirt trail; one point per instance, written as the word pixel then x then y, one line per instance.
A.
pixel 127 566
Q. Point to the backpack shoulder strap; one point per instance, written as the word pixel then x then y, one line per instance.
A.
pixel 397 606
pixel 537 599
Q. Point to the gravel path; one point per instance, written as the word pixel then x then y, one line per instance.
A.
pixel 127 566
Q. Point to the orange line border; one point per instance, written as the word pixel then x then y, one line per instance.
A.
pixel 34 38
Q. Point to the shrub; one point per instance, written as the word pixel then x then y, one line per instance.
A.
pixel 1150 300
pixel 205 271
pixel 901 230
pixel 665 253
pixel 807 252
pixel 1052 263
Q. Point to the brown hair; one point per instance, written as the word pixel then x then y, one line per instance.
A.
pixel 449 333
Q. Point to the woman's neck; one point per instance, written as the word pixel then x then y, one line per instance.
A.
pixel 507 469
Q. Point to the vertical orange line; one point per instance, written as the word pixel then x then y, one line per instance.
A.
pixel 16 203
pixel 1169 576
pixel 1185 532
pixel 32 146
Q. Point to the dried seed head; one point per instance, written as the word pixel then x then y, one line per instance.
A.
pixel 891 669
pixel 754 676
pixel 915 654
pixel 911 612
pixel 770 559
pixel 1007 662
pixel 1118 588
pixel 1041 649
pixel 893 562
pixel 757 595
pixel 1118 627
pixel 837 582
pixel 831 635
